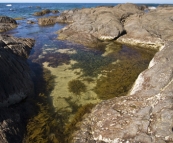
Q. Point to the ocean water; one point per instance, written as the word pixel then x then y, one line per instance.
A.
pixel 69 77
pixel 27 9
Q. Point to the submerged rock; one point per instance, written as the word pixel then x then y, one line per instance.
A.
pixel 7 23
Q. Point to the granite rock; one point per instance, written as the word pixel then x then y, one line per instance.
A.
pixel 94 24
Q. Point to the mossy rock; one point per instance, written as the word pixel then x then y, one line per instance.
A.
pixel 76 86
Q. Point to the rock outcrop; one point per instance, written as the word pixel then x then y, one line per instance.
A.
pixel 16 83
pixel 145 114
pixel 7 23
pixel 88 26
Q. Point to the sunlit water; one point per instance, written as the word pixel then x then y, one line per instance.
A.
pixel 75 76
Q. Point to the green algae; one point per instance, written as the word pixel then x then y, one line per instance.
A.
pixel 119 77
pixel 90 62
pixel 116 79
pixel 54 59
pixel 88 80
pixel 42 126
pixel 70 127
pixel 76 87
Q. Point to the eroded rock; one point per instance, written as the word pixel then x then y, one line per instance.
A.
pixel 16 83
pixel 7 23
pixel 100 23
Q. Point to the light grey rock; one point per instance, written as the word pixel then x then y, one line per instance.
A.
pixel 100 23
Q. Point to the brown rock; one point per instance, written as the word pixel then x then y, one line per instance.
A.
pixel 47 21
pixel 7 23
pixel 103 23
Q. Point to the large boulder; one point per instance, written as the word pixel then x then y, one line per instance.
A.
pixel 150 29
pixel 100 23
pixel 7 23
pixel 16 83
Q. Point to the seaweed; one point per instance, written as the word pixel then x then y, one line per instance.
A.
pixel 76 87
pixel 118 78
pixel 88 79
pixel 90 62
pixel 54 59
pixel 70 127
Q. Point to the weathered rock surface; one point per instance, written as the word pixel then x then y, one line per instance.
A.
pixel 16 83
pixel 145 115
pixel 150 29
pixel 7 23
pixel 44 21
pixel 100 23
pixel 45 11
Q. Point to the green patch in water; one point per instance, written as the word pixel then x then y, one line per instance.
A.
pixel 76 87
pixel 90 62
pixel 118 78
pixel 54 59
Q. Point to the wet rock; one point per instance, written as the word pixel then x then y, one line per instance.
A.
pixel 7 23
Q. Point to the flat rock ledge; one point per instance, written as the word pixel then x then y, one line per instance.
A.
pixel 145 115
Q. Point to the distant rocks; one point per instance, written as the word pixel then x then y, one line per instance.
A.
pixel 47 21
pixel 7 23
pixel 45 11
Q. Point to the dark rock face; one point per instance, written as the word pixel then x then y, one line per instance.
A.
pixel 7 23
pixel 16 83
pixel 100 23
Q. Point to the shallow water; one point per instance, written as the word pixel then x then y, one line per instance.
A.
pixel 70 78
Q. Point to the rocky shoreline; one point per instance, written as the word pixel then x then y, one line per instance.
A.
pixel 16 83
pixel 144 115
